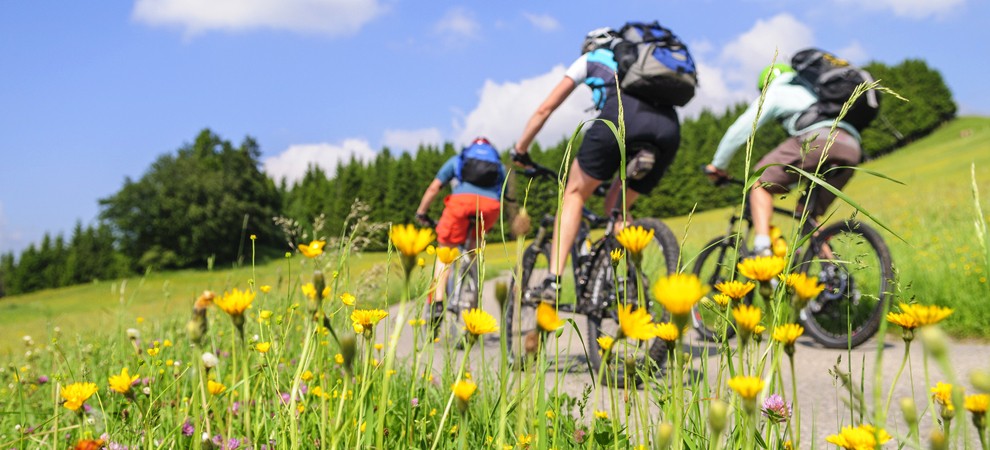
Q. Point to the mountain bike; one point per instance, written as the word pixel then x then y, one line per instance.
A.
pixel 849 258
pixel 599 287
pixel 461 291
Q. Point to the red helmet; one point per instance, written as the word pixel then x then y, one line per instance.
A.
pixel 481 140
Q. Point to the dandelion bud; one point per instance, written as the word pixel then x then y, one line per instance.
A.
pixel 718 415
pixel 521 223
pixel 501 293
pixel 910 411
pixel 348 348
pixel 319 284
pixel 133 334
pixel 935 341
pixel 197 326
pixel 210 360
pixel 630 364
pixel 980 380
pixel 203 301
pixel 766 289
pixel 938 441
pixel 665 435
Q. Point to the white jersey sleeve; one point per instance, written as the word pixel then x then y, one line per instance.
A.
pixel 578 71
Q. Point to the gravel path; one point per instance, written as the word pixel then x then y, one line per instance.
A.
pixel 820 394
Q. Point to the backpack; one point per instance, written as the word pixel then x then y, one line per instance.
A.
pixel 833 81
pixel 654 65
pixel 479 164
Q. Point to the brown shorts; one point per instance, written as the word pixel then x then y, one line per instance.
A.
pixel 845 151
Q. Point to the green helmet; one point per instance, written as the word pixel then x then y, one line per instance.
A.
pixel 771 71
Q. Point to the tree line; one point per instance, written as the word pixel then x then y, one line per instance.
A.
pixel 210 203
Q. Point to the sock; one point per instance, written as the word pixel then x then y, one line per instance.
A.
pixel 761 242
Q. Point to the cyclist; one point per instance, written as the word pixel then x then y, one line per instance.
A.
pixel 598 157
pixel 476 176
pixel 786 98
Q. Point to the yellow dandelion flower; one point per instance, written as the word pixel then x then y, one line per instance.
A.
pixel 309 290
pixel 601 414
pixel 747 316
pixel 616 255
pixel 605 342
pixel 366 318
pixel 313 249
pixel 747 387
pixel 166 343
pixel 338 358
pixel 464 389
pixel 761 268
pixel 721 300
pixel 154 351
pixel 409 240
pixel 263 347
pixel 804 286
pixel 942 394
pixel 215 388
pixel 863 437
pixel 525 440
pixel 926 314
pixel 379 346
pixel 667 331
pixel 905 320
pixel 235 302
pixel 76 394
pixel 447 255
pixel 759 329
pixel 735 289
pixel 788 333
pixel 264 316
pixel 318 392
pixel 478 322
pixel 679 292
pixel 307 376
pixel 420 262
pixel 264 288
pixel 121 383
pixel 635 324
pixel 634 239
pixel 977 403
pixel 431 250
pixel 347 299
pixel 547 318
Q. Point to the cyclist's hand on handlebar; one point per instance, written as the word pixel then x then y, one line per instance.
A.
pixel 714 174
pixel 521 159
pixel 425 220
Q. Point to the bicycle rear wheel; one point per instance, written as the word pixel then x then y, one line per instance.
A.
pixel 716 263
pixel 462 295
pixel 854 264
pixel 608 289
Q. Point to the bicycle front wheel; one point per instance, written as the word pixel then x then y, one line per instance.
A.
pixel 716 263
pixel 462 295
pixel 854 264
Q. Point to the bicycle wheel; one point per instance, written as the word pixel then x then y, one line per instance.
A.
pixel 608 289
pixel 519 312
pixel 854 264
pixel 462 295
pixel 716 263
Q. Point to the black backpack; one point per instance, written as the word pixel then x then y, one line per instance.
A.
pixel 833 81
pixel 479 164
pixel 654 65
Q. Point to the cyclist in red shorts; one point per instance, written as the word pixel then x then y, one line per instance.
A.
pixel 476 177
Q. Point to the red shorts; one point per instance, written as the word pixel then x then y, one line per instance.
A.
pixel 459 209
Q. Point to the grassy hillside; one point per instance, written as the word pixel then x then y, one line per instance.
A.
pixel 939 261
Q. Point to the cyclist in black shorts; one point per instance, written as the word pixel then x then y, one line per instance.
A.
pixel 598 158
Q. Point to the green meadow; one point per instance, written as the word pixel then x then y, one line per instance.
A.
pixel 936 251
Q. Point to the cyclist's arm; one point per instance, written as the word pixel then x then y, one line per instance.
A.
pixel 431 193
pixel 549 105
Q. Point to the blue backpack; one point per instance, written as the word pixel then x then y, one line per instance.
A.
pixel 654 65
pixel 479 164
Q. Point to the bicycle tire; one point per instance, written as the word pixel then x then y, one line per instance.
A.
pixel 604 285
pixel 851 278
pixel 711 272
pixel 462 295
pixel 516 326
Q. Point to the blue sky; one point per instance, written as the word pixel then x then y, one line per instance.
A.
pixel 93 92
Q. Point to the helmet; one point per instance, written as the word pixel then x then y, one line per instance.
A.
pixel 480 140
pixel 771 71
pixel 597 38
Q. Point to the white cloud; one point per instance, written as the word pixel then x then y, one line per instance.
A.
pixel 750 52
pixel 409 140
pixel 854 53
pixel 331 17
pixel 504 108
pixel 543 22
pixel 913 9
pixel 458 23
pixel 293 162
pixel 713 93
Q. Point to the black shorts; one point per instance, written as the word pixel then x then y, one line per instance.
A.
pixel 599 153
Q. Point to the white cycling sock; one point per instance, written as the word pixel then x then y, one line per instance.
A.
pixel 761 242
